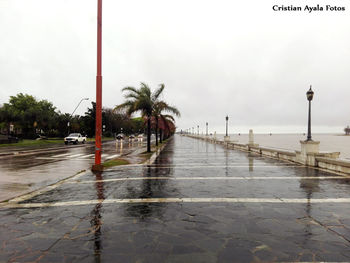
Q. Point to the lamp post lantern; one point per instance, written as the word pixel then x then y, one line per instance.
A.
pixel 309 96
pixel 226 125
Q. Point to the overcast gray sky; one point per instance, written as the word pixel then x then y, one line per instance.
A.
pixel 239 58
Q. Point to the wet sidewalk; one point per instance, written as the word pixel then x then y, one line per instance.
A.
pixel 198 202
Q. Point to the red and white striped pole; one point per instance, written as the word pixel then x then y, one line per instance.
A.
pixel 98 142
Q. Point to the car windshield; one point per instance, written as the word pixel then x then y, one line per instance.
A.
pixel 74 135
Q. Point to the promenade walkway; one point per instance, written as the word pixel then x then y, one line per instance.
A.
pixel 199 202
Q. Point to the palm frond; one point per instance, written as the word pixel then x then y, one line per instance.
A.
pixel 158 92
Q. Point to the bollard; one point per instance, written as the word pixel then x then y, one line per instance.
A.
pixel 251 139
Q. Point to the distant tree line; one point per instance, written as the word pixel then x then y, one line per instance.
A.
pixel 26 117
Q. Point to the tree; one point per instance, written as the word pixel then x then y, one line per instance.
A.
pixel 347 130
pixel 167 124
pixel 30 115
pixel 141 100
pixel 158 109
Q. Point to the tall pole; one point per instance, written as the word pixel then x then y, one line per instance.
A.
pixel 207 129
pixel 98 143
pixel 309 96
pixel 197 129
pixel 309 124
pixel 226 126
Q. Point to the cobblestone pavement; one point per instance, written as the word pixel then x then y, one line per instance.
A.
pixel 198 202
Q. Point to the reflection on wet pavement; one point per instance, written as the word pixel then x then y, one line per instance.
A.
pixel 21 174
pixel 197 203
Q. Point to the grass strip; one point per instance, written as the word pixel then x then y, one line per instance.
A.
pixel 26 142
pixel 115 162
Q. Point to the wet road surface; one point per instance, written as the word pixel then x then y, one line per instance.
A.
pixel 198 202
pixel 22 174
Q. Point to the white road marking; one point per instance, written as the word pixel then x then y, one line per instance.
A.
pixel 215 178
pixel 225 166
pixel 75 155
pixel 61 155
pixel 71 159
pixel 181 200
pixel 68 156
pixel 112 156
pixel 217 164
pixel 24 197
pixel 88 155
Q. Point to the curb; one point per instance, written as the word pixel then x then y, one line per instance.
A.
pixel 23 197
pixel 154 156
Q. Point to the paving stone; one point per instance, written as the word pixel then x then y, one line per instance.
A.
pixel 185 232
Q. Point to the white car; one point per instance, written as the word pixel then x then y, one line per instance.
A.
pixel 75 138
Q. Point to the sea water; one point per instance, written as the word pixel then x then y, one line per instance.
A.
pixel 328 142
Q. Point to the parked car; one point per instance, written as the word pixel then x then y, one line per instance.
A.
pixel 74 138
pixel 131 137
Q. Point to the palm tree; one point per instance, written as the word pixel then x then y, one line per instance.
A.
pixel 141 100
pixel 158 109
pixel 347 130
pixel 166 124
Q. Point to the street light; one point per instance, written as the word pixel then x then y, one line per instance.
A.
pixel 68 124
pixel 206 129
pixel 309 96
pixel 226 125
pixel 197 129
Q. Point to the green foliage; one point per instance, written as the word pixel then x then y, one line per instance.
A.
pixel 115 162
pixel 141 100
pixel 28 114
pixel 31 117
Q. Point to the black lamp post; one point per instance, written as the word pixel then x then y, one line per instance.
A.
pixel 226 126
pixel 309 96
pixel 207 129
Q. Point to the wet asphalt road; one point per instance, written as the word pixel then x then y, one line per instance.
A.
pixel 199 202
pixel 22 174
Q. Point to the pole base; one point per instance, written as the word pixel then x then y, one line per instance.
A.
pixel 97 168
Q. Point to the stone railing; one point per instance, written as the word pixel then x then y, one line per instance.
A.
pixel 325 160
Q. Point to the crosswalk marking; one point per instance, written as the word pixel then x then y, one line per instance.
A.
pixel 75 155
pixel 88 155
pixel 80 156
pixel 61 155
pixel 112 156
pixel 216 178
pixel 182 200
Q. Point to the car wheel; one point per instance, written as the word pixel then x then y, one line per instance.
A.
pixel 83 142
pixel 65 143
pixel 75 142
